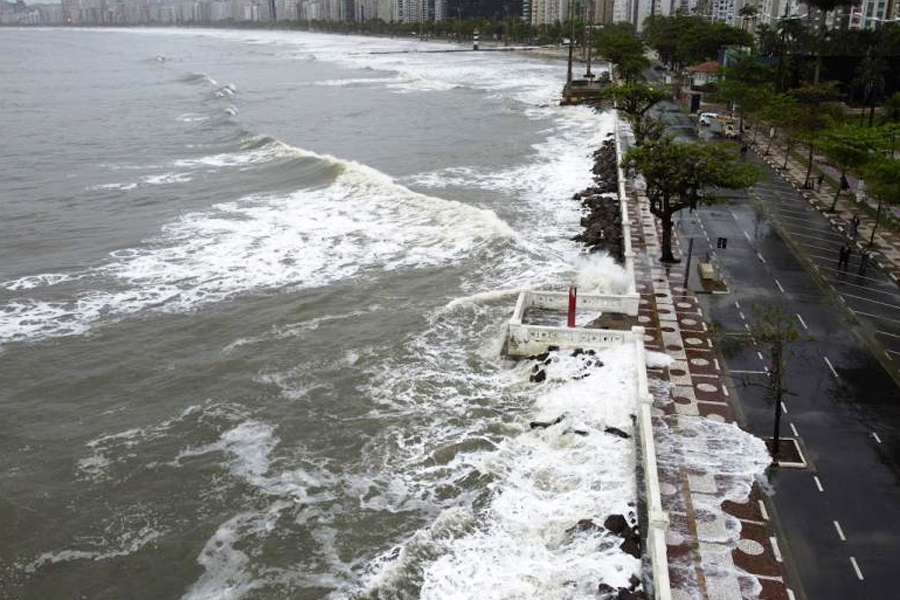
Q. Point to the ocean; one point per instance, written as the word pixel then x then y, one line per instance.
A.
pixel 253 288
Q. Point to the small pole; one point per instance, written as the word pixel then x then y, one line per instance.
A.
pixel 687 267
pixel 475 40
pixel 570 321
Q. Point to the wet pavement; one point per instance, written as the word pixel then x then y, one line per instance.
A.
pixel 841 516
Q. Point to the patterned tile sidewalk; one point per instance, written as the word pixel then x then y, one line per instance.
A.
pixel 708 559
pixel 885 253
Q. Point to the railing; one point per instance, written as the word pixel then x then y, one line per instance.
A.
pixel 626 304
pixel 657 518
pixel 529 340
pixel 628 252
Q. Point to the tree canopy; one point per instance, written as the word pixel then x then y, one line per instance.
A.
pixel 682 40
pixel 634 101
pixel 681 175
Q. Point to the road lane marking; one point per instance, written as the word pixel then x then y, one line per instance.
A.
pixel 759 354
pixel 775 549
pixel 778 283
pixel 830 366
pixel 875 435
pixel 868 288
pixel 784 408
pixel 748 372
pixel 790 594
pixel 818 483
pixel 802 322
pixel 762 509
pixel 873 316
pixel 863 298
pixel 747 235
pixel 760 257
pixel 859 574
pixel 747 327
pixel 737 305
pixel 794 429
pixel 840 531
pixel 741 313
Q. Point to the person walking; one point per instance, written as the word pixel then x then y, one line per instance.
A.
pixel 819 181
pixel 864 258
pixel 854 226
pixel 845 185
pixel 844 257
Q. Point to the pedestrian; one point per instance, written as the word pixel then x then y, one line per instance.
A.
pixel 854 226
pixel 843 257
pixel 819 181
pixel 845 185
pixel 863 262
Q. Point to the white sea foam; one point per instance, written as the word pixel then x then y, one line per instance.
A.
pixel 307 238
pixel 128 543
pixel 167 178
pixel 113 186
pixel 545 482
pixel 600 274
pixel 35 281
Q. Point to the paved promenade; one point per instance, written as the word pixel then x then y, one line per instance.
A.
pixel 724 550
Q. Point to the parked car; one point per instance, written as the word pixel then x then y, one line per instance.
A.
pixel 730 131
pixel 707 118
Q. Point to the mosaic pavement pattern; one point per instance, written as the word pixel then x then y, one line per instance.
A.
pixel 727 553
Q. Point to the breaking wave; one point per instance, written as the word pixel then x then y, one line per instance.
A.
pixel 352 219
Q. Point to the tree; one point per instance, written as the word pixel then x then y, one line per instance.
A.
pixel 849 148
pixel 816 113
pixel 747 12
pixel 680 175
pixel 777 332
pixel 745 84
pixel 635 101
pixel 825 6
pixel 617 44
pixel 883 182
pixel 682 40
pixel 869 77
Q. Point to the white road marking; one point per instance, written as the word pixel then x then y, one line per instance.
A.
pixel 741 313
pixel 784 408
pixel 875 435
pixel 856 568
pixel 747 235
pixel 762 509
pixel 760 257
pixel 818 483
pixel 790 594
pixel 737 305
pixel 802 322
pixel 867 314
pixel 830 366
pixel 759 354
pixel 778 283
pixel 725 390
pixel 863 298
pixel 840 531
pixel 747 327
pixel 747 372
pixel 794 429
pixel 775 549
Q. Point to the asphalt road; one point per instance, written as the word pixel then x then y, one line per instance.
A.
pixel 840 517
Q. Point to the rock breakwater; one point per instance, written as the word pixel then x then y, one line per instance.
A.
pixel 603 222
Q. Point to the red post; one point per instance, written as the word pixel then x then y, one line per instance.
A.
pixel 573 291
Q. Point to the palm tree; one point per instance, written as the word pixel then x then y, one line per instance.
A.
pixel 869 77
pixel 747 12
pixel 825 6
